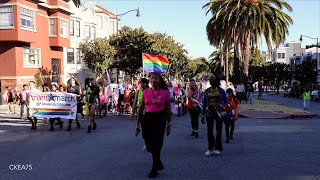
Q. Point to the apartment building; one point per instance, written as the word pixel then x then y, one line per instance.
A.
pixel 87 22
pixel 32 36
pixel 282 54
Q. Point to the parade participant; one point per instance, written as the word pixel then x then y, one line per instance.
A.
pixel 33 120
pixel 74 88
pixel 156 103
pixel 136 105
pixel 250 91
pixel 240 91
pixel 16 98
pixel 91 95
pixel 23 99
pixel 62 87
pixel 121 100
pixel 194 106
pixel 104 102
pixel 55 88
pixel 172 97
pixel 229 125
pixel 214 100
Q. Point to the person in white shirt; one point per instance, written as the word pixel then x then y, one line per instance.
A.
pixel 240 92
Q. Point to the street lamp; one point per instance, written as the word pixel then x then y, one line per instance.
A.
pixel 318 64
pixel 118 15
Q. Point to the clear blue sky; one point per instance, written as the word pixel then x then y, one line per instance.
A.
pixel 186 21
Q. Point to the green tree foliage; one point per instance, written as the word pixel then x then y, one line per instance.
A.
pixel 306 72
pixel 244 23
pixel 98 54
pixel 130 44
pixel 256 57
pixel 271 71
pixel 197 66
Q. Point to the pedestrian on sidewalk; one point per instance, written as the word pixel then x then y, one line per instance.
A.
pixel 23 100
pixel 8 97
pixel 195 96
pixel 306 98
pixel 16 98
pixel 250 91
pixel 240 91
pixel 156 103
pixel 214 100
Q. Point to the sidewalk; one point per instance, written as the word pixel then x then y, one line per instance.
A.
pixel 268 109
pixel 16 115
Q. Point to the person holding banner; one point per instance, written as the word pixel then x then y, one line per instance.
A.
pixel 91 95
pixel 54 88
pixel 74 88
pixel 33 120
pixel 156 104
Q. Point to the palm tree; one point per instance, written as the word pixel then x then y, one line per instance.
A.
pixel 244 23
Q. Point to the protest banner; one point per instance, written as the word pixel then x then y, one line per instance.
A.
pixel 53 105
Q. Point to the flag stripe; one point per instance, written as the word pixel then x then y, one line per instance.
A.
pixel 154 63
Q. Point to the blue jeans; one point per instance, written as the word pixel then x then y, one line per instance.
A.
pixel 306 103
pixel 249 97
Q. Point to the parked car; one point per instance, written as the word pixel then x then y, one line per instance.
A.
pixel 293 91
pixel 315 95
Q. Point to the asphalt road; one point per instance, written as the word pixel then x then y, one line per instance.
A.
pixel 268 149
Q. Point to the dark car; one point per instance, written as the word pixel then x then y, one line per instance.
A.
pixel 294 92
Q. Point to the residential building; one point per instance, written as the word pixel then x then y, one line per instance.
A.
pixel 282 54
pixel 33 35
pixel 87 22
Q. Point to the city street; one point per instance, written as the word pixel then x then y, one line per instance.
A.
pixel 262 149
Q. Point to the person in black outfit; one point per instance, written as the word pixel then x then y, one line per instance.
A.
pixel 74 88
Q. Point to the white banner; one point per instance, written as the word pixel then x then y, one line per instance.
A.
pixel 53 105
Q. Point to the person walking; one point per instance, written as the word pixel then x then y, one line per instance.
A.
pixel 306 98
pixel 156 103
pixel 23 99
pixel 233 116
pixel 33 120
pixel 194 107
pixel 250 91
pixel 74 88
pixel 136 105
pixel 55 88
pixel 214 101
pixel 240 91
pixel 8 97
pixel 92 92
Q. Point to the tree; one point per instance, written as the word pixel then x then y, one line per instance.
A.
pixel 130 44
pixel 256 57
pixel 98 54
pixel 244 22
pixel 306 72
pixel 197 66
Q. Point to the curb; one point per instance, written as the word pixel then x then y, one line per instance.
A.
pixel 287 116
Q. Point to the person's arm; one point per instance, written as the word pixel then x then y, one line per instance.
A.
pixel 205 102
pixel 140 112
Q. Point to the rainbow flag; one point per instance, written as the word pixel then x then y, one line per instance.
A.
pixel 53 112
pixel 154 63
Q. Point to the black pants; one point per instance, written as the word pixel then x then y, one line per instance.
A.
pixel 154 128
pixel 229 127
pixel 214 143
pixel 194 114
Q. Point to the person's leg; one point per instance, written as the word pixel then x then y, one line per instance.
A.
pixel 192 112
pixel 196 122
pixel 304 104
pixel 93 122
pixel 232 128
pixel 251 95
pixel 308 104
pixel 227 126
pixel 51 120
pixel 210 136
pixel 218 144
pixel 35 120
pixel 23 104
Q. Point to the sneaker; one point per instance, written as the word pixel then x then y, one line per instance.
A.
pixel 193 133
pixel 216 152
pixel 196 134
pixel 208 153
pixel 144 148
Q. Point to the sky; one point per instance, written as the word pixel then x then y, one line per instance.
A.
pixel 186 21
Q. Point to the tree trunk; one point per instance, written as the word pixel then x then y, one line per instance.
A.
pixel 227 62
pixel 221 61
pixel 236 62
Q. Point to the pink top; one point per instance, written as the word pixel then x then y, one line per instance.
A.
pixel 155 100
pixel 103 98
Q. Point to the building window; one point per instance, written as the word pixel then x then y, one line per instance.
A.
pixel 72 28
pixel 70 56
pixel 283 55
pixel 77 28
pixel 279 55
pixel 6 17
pixel 63 28
pixel 78 56
pixel 52 27
pixel 31 57
pixel 93 32
pixel 87 31
pixel 27 18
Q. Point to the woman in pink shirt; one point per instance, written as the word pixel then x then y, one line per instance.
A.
pixel 156 103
